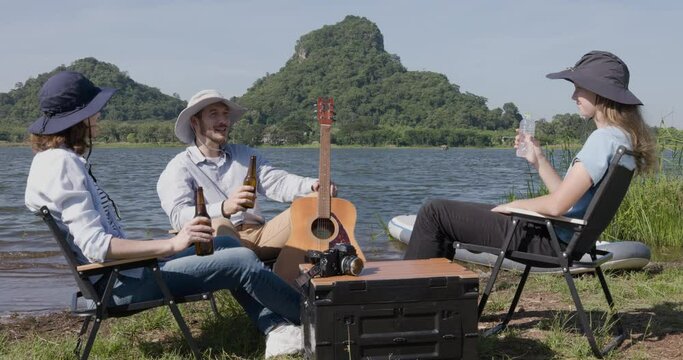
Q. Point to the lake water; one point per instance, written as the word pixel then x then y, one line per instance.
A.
pixel 381 183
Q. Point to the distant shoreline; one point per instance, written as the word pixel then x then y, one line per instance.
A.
pixel 307 146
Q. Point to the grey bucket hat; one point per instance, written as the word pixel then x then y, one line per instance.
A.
pixel 602 73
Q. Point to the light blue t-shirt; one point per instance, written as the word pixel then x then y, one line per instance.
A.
pixel 595 155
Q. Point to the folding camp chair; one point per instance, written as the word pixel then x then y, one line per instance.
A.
pixel 101 308
pixel 602 208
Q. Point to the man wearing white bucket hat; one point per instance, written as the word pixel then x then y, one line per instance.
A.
pixel 220 168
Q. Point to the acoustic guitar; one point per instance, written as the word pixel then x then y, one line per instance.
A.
pixel 318 221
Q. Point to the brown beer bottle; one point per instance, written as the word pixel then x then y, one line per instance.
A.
pixel 201 249
pixel 250 180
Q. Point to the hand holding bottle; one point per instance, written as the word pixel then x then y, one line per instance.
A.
pixel 195 231
pixel 238 200
pixel 533 150
pixel 202 248
pixel 251 180
pixel 525 134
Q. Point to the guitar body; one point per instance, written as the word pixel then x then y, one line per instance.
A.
pixel 304 234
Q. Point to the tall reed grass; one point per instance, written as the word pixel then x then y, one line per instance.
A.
pixel 652 210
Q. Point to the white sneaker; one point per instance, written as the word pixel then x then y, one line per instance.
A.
pixel 284 340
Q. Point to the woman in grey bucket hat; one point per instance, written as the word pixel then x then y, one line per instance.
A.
pixel 601 95
pixel 602 73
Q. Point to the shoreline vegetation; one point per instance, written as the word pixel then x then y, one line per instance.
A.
pixel 144 133
pixel 296 146
pixel 314 145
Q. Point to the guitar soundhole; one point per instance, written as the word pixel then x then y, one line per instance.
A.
pixel 322 228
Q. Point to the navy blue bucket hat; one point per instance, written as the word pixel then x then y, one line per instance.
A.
pixel 66 99
pixel 602 73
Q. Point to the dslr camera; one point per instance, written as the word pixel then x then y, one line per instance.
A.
pixel 339 259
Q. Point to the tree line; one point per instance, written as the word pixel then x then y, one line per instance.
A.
pixel 563 129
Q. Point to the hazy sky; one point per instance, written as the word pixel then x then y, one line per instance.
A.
pixel 497 49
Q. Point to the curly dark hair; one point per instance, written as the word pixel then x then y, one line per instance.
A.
pixel 74 138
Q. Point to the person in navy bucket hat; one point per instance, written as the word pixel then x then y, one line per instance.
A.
pixel 66 99
pixel 60 179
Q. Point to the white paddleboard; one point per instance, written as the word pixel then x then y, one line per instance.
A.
pixel 626 254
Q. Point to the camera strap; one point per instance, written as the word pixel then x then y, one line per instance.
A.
pixel 303 280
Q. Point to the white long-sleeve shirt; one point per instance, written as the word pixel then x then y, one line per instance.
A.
pixel 190 169
pixel 59 180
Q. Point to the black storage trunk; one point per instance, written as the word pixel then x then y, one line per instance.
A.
pixel 416 309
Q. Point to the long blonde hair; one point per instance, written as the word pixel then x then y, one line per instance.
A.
pixel 630 119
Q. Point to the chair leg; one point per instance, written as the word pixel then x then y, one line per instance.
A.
pixel 176 313
pixel 489 285
pixel 184 328
pixel 518 293
pixel 79 340
pixel 214 308
pixel 583 318
pixel 496 269
pixel 619 333
pixel 91 338
pixel 100 314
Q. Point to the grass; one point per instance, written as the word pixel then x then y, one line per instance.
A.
pixel 151 334
pixel 650 301
pixel 651 212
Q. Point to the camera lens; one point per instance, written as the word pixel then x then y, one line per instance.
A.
pixel 351 265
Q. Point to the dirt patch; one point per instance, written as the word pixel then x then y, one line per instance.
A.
pixel 18 326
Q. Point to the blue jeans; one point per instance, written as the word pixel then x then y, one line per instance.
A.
pixel 265 297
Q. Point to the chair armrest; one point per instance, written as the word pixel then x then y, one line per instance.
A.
pixel 124 263
pixel 533 214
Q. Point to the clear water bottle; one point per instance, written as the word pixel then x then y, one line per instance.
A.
pixel 527 126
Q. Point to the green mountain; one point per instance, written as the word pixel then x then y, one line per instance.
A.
pixel 133 101
pixel 375 96
pixel 378 102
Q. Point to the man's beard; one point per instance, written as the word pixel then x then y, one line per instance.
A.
pixel 214 136
pixel 219 140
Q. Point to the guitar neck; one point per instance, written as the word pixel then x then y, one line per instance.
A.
pixel 324 195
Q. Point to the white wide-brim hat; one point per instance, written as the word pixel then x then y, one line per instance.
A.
pixel 200 100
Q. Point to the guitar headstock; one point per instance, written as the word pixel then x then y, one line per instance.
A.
pixel 325 111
